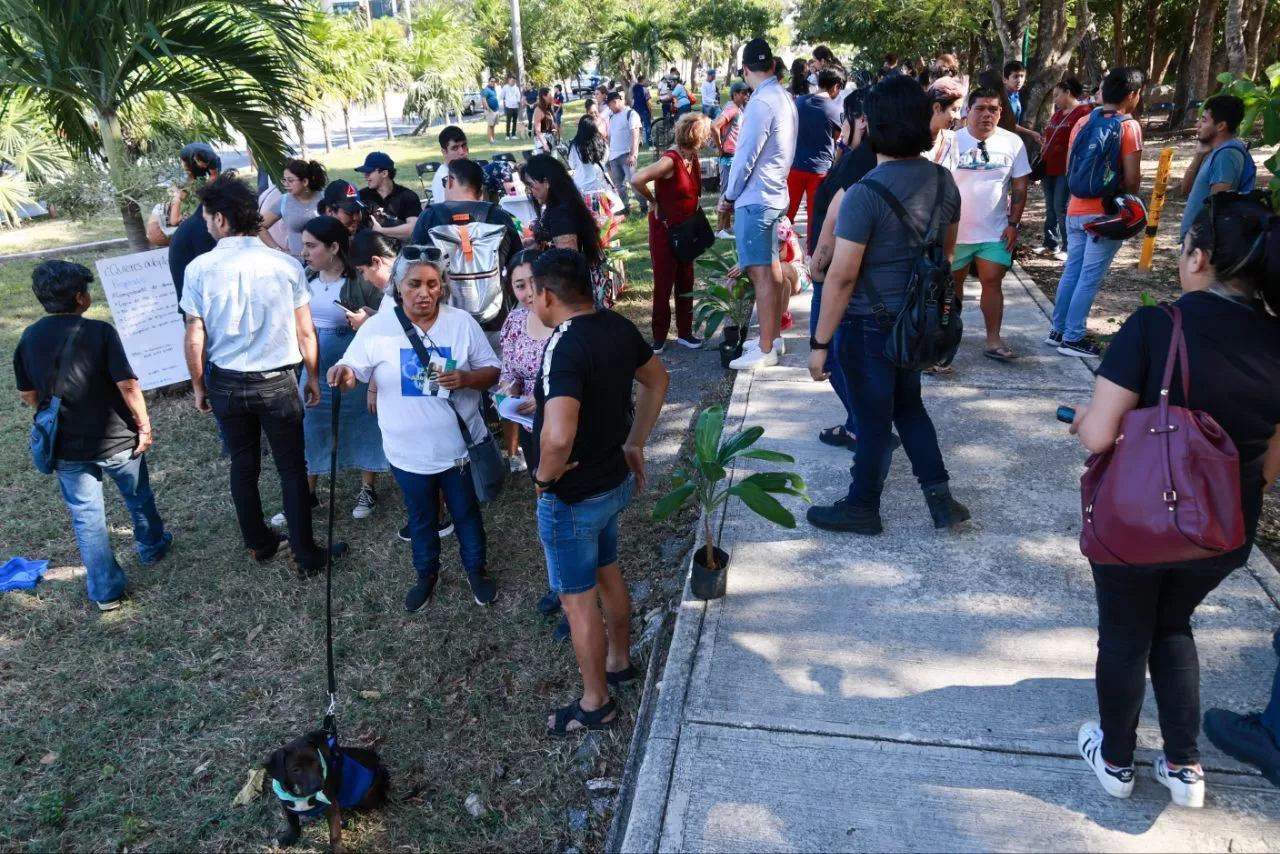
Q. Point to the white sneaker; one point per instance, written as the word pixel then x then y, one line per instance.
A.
pixel 365 502
pixel 780 346
pixel 516 462
pixel 1118 782
pixel 1060 256
pixel 1186 785
pixel 278 521
pixel 749 345
pixel 722 234
pixel 752 359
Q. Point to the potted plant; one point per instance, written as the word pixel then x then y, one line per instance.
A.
pixel 702 480
pixel 727 298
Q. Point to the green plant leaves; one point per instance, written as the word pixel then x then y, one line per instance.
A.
pixel 763 504
pixel 672 501
pixel 737 443
pixel 769 456
pixel 706 443
pixel 780 482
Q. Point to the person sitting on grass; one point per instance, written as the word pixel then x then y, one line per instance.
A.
pixel 103 427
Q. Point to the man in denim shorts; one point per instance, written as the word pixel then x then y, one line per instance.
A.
pixel 590 462
pixel 756 193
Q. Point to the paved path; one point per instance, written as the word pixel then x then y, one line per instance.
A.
pixel 922 690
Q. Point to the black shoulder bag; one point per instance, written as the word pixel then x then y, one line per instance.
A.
pixel 488 473
pixel 927 330
pixel 691 238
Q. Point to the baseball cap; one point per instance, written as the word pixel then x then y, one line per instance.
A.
pixel 376 160
pixel 342 194
pixel 757 52
pixel 711 72
pixel 738 86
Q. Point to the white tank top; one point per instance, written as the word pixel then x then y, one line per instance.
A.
pixel 324 313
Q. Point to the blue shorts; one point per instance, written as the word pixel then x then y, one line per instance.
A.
pixel 580 538
pixel 755 230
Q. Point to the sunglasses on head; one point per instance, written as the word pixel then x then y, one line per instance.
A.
pixel 418 252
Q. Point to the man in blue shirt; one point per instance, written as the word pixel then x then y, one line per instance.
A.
pixel 1015 75
pixel 640 103
pixel 492 107
pixel 1221 163
pixel 757 194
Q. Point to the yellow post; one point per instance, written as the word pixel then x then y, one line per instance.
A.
pixel 1157 205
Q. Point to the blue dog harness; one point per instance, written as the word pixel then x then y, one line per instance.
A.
pixel 356 782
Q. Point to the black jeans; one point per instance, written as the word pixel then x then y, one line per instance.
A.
pixel 1144 619
pixel 513 116
pixel 884 396
pixel 246 406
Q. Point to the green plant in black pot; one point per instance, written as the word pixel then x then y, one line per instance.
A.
pixel 703 481
pixel 723 298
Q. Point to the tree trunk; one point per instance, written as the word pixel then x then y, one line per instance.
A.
pixel 1182 74
pixel 299 125
pixel 1055 44
pixel 346 122
pixel 1201 56
pixel 1160 67
pixel 1237 59
pixel 1151 17
pixel 386 115
pixel 1117 31
pixel 324 129
pixel 135 230
pixel 517 41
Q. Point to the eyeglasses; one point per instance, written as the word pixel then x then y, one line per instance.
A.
pixel 418 252
pixel 982 149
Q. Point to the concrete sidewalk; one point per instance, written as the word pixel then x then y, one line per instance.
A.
pixel 921 690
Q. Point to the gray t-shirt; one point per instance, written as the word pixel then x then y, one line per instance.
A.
pixel 296 214
pixel 890 257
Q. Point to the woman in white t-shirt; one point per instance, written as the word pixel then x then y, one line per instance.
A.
pixel 341 302
pixel 416 412
pixel 587 154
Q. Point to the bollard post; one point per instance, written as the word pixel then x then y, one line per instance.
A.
pixel 1153 214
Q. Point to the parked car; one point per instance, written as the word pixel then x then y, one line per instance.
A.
pixel 471 103
pixel 585 84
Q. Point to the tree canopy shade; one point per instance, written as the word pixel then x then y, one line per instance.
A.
pixel 84 62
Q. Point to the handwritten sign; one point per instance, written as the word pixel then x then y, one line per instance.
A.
pixel 144 306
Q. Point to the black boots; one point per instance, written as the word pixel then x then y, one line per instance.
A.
pixel 944 509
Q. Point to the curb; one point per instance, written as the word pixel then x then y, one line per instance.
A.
pixel 640 815
pixel 70 249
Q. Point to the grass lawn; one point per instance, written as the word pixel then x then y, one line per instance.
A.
pixel 45 233
pixel 137 728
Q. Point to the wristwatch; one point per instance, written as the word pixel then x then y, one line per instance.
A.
pixel 544 484
pixel 1017 225
pixel 814 344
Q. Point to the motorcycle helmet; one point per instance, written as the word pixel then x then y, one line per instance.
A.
pixel 1124 216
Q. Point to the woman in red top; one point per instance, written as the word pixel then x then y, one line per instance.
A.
pixel 677 182
pixel 1057 136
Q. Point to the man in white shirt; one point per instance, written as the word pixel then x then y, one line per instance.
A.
pixel 992 173
pixel 511 106
pixel 624 145
pixel 710 95
pixel 250 306
pixel 664 97
pixel 453 146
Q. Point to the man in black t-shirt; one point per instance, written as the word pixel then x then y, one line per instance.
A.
pixel 590 463
pixel 103 428
pixel 189 241
pixel 393 208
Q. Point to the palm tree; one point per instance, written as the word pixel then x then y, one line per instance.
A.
pixel 640 42
pixel 442 63
pixel 82 63
pixel 29 151
pixel 384 64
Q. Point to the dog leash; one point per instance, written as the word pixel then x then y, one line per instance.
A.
pixel 331 714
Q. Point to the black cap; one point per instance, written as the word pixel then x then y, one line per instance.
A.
pixel 757 52
pixel 341 194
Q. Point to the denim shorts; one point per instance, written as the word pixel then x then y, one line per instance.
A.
pixel 755 230
pixel 580 538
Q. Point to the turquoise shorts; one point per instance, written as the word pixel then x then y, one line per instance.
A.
pixel 993 252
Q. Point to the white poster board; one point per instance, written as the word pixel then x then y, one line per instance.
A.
pixel 144 307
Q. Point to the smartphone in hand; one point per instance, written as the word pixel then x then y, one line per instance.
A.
pixel 339 304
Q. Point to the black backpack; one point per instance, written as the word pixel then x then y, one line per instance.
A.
pixel 927 331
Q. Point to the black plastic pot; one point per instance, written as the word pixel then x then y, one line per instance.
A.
pixel 728 353
pixel 731 334
pixel 709 583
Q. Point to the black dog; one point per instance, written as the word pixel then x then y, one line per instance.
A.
pixel 312 775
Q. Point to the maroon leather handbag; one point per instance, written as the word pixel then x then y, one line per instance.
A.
pixel 1168 491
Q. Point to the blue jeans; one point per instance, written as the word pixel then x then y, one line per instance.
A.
pixel 420 501
pixel 1088 259
pixel 884 396
pixel 81 484
pixel 1271 715
pixel 832 366
pixel 582 537
pixel 1056 197
pixel 646 123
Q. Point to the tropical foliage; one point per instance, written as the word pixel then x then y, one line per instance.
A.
pixel 1261 101
pixel 442 62
pixel 707 469
pixel 29 152
pixel 85 63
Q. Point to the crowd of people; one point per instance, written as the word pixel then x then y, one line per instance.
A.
pixel 420 324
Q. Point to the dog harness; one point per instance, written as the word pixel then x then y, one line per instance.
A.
pixel 356 782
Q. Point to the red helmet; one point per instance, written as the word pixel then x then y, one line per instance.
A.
pixel 1125 216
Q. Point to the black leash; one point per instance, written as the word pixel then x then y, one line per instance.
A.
pixel 331 715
